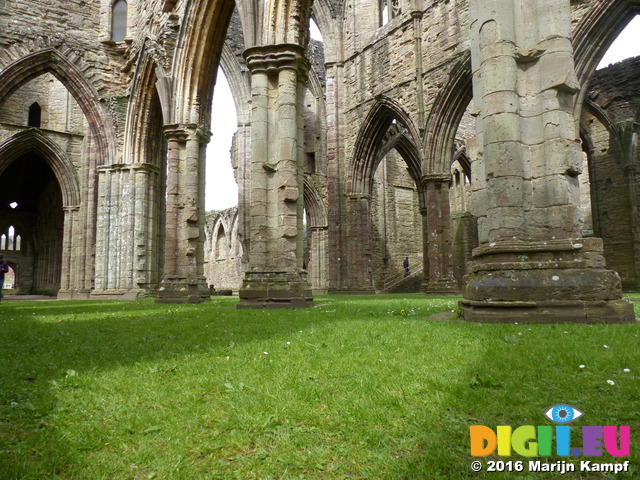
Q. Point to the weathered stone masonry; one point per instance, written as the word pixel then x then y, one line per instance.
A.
pixel 120 150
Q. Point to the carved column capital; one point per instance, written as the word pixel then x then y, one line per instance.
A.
pixel 436 179
pixel 273 58
pixel 182 132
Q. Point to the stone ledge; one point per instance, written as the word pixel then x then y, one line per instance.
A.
pixel 614 311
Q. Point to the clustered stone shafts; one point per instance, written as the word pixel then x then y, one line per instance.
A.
pixel 533 265
pixel 275 277
pixel 525 86
pixel 184 241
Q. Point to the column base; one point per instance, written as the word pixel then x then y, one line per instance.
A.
pixel 116 294
pixel 352 291
pixel 64 294
pixel 553 281
pixel 183 290
pixel 275 290
pixel 441 287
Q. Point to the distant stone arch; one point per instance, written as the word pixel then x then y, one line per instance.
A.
pixel 371 145
pixel 33 140
pixel 596 32
pixel 447 111
pixel 51 61
pixel 221 240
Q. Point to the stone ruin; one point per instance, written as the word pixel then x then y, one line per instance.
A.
pixel 474 137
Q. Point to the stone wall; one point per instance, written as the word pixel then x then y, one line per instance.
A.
pixel 396 221
pixel 613 102
pixel 223 252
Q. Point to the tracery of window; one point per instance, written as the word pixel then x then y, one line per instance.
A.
pixel 389 9
pixel 10 241
pixel 119 20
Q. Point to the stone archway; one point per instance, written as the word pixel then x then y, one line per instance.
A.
pixel 52 61
pixel 41 199
pixel 317 261
pixel 387 137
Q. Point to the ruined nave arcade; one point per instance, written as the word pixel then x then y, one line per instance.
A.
pixel 458 133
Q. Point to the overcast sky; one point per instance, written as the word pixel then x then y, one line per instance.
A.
pixel 222 191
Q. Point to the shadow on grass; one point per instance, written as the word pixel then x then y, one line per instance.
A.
pixel 468 374
pixel 46 345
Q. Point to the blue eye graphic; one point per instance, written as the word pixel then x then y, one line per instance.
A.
pixel 563 413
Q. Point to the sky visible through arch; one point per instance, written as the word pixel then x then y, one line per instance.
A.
pixel 221 187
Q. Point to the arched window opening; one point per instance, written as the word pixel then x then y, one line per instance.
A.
pixel 222 245
pixel 35 115
pixel 221 186
pixel 119 20
pixel 10 241
pixel 389 9
pixel 11 238
pixel 10 279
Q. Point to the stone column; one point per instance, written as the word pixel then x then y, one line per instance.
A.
pixel 534 266
pixel 183 280
pixel 358 247
pixel 336 209
pixel 436 222
pixel 70 283
pixel 276 278
pixel 318 259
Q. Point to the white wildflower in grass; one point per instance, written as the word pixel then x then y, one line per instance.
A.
pixel 626 370
pixel 581 366
pixel 611 382
pixel 605 346
pixel 288 343
pixel 266 353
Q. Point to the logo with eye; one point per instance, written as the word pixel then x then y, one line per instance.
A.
pixel 563 413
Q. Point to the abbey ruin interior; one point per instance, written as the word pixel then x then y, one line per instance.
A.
pixel 473 138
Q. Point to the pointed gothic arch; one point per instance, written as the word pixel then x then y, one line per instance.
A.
pixel 33 140
pixel 446 113
pixel 597 31
pixel 370 146
pixel 315 205
pixel 195 67
pixel 145 115
pixel 51 61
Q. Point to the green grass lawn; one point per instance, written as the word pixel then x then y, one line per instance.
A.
pixel 356 387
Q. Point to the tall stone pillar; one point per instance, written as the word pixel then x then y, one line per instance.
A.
pixel 183 280
pixel 336 200
pixel 533 265
pixel 276 278
pixel 318 259
pixel 436 224
pixel 71 285
pixel 359 248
